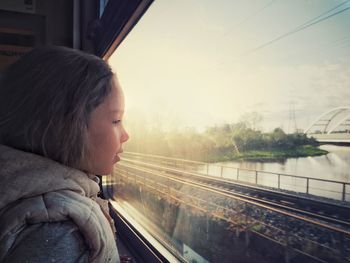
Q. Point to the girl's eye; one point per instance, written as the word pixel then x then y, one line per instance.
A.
pixel 116 121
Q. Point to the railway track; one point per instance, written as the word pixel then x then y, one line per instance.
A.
pixel 324 212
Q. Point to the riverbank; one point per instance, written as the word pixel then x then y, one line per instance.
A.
pixel 270 155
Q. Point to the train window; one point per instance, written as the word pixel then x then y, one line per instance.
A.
pixel 239 118
pixel 102 6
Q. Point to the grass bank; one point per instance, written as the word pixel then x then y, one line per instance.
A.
pixel 269 155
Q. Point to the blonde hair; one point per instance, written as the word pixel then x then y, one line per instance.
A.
pixel 46 98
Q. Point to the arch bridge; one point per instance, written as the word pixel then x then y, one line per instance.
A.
pixel 333 126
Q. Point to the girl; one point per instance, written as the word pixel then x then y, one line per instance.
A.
pixel 60 126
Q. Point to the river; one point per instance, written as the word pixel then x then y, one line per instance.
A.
pixel 334 166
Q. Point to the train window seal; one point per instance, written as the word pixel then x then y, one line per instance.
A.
pixel 118 19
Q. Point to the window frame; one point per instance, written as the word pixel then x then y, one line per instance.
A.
pixel 117 20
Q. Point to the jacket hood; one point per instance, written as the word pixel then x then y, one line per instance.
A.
pixel 35 189
pixel 24 175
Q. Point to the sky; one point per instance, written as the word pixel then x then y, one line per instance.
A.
pixel 199 63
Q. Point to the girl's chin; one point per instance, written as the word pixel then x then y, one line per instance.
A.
pixel 104 170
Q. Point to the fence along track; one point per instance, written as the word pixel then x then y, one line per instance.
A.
pixel 279 180
pixel 163 184
pixel 215 182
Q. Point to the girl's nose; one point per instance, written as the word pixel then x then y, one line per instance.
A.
pixel 125 136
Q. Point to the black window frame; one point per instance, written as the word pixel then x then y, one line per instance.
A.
pixel 117 20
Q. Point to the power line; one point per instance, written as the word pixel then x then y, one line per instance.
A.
pixel 345 45
pixel 341 40
pixel 336 44
pixel 305 25
pixel 340 43
pixel 249 17
pixel 323 14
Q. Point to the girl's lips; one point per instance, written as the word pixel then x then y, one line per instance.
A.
pixel 116 158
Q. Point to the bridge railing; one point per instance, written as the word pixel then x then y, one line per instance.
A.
pixel 337 190
pixel 343 137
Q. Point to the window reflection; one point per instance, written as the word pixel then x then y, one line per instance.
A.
pixel 227 92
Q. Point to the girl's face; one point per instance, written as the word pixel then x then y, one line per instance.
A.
pixel 106 133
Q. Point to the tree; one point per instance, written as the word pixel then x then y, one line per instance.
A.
pixel 252 120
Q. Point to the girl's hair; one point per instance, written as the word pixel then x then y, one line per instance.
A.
pixel 46 98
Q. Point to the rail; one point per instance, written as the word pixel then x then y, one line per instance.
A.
pixel 219 182
pixel 307 185
pixel 240 217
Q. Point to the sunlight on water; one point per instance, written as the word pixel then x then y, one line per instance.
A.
pixel 334 166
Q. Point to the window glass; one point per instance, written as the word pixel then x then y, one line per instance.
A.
pixel 224 99
pixel 103 4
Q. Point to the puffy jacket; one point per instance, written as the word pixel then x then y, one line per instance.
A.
pixel 51 213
